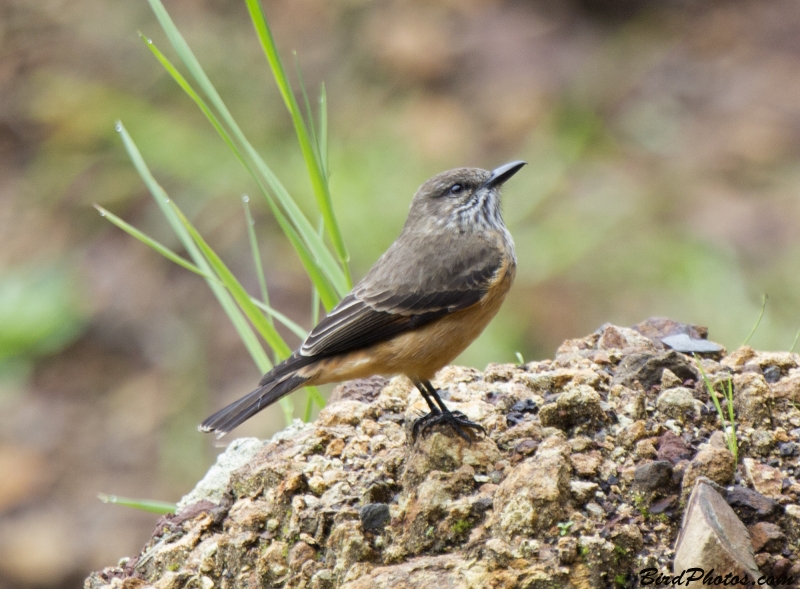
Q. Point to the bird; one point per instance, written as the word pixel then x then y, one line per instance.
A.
pixel 420 305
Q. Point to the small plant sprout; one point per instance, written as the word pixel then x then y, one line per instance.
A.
pixel 794 343
pixel 563 527
pixel 764 298
pixel 729 424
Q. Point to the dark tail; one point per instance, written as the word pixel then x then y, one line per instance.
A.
pixel 239 411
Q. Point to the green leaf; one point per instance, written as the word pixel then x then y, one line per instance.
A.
pixel 223 297
pixel 141 504
pixel 339 276
pixel 315 257
pixel 170 255
pixel 152 243
pixel 313 165
pixel 256 317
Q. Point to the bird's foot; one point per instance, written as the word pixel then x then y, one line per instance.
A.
pixel 455 419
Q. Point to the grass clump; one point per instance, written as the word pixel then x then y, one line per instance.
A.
pixel 729 424
pixel 319 246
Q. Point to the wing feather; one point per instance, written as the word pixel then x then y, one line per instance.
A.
pixel 374 312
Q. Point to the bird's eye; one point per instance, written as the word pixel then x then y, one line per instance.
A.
pixel 456 189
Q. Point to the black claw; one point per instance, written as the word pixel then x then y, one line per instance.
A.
pixel 455 419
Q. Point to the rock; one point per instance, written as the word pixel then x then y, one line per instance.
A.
pixel 793 511
pixel 632 433
pixel 418 573
pixel 645 449
pixel 299 554
pixel 716 464
pixel 212 486
pixel 765 479
pixel 752 399
pixel 586 464
pixel 603 562
pixel 499 373
pixel 783 361
pixel 672 448
pixel 628 402
pixel 364 390
pixel 766 536
pixel 739 357
pixel 443 452
pixel 344 412
pixel 656 328
pixel 762 441
pixel 567 549
pixel 351 501
pixel 679 403
pixel 654 476
pixel 534 496
pixel 647 368
pixel 576 405
pixel 583 491
pixel 612 337
pixel 374 517
pixel 682 342
pixel 751 505
pixel 712 537
pixel 788 387
pixel 335 448
pixel 772 374
pixel 525 406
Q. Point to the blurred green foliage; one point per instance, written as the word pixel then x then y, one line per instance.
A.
pixel 41 311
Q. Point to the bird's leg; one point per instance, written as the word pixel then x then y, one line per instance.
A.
pixel 441 414
pixel 425 395
pixel 435 411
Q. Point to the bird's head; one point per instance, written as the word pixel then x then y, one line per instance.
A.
pixel 464 199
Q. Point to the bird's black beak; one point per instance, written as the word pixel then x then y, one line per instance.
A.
pixel 503 173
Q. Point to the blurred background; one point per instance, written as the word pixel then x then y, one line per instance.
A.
pixel 664 179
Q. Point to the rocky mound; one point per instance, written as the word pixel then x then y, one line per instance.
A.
pixel 582 480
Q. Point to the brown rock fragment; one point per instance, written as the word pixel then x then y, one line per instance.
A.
pixel 715 463
pixel 672 448
pixel 712 537
pixel 585 464
pixel 765 479
pixel 766 536
pixel 752 398
pixel 534 496
pixel 576 405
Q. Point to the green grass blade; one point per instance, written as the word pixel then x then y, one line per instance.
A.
pixel 172 256
pixel 318 180
pixel 758 321
pixel 730 436
pixel 314 292
pixel 281 318
pixel 307 105
pixel 338 276
pixel 315 257
pixel 226 302
pixel 316 396
pixel 141 504
pixel 259 267
pixel 150 242
pixel 729 397
pixel 256 317
pixel 794 343
pixel 323 129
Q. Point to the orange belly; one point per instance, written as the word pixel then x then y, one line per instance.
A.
pixel 420 353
